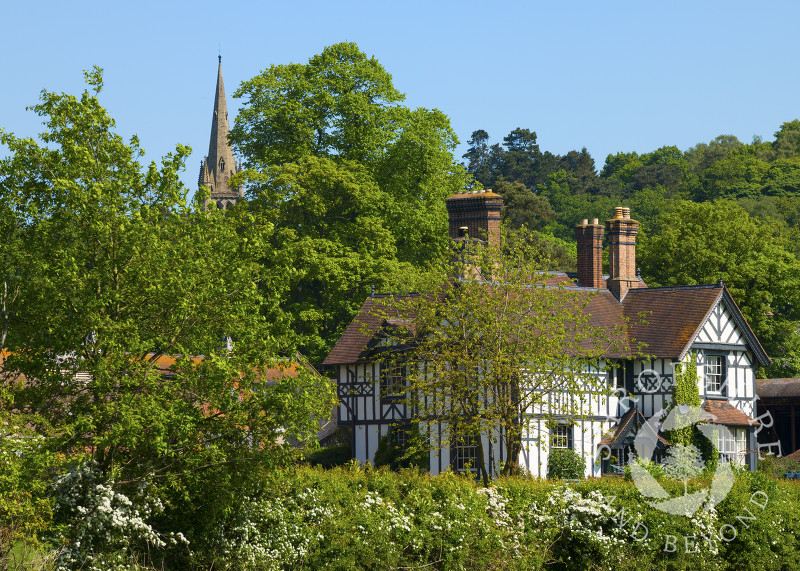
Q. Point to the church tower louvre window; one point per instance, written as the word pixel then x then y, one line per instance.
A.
pixel 219 165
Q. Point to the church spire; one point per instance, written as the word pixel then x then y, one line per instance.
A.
pixel 219 165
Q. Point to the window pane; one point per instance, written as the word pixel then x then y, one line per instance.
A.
pixel 465 453
pixel 559 436
pixel 393 381
pixel 714 373
pixel 732 445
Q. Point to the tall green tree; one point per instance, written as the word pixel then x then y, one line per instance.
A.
pixel 702 156
pixel 476 358
pixel 353 181
pixel 522 207
pixel 478 156
pixel 581 166
pixel 117 281
pixel 739 175
pixel 787 140
pixel 521 158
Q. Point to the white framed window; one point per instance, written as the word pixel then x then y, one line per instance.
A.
pixel 714 372
pixel 393 381
pixel 464 453
pixel 561 436
pixel 732 444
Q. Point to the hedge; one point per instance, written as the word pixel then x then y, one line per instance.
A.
pixel 363 518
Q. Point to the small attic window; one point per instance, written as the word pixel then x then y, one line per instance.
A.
pixel 386 341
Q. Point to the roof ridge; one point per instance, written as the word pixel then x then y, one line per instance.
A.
pixel 678 288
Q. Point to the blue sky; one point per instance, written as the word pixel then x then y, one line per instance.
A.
pixel 611 76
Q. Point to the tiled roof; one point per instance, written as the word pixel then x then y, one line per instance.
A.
pixel 777 388
pixel 354 343
pixel 667 319
pixel 657 322
pixel 629 421
pixel 620 430
pixel 727 414
pixel 605 311
pixel 556 278
pixel 607 314
pixel 721 412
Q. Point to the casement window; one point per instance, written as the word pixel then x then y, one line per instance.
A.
pixel 399 435
pixel 715 372
pixel 732 445
pixel 393 381
pixel 561 436
pixel 464 453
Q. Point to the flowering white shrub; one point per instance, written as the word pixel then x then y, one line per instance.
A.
pixel 379 520
pixel 705 527
pixel 282 531
pixel 587 524
pixel 271 533
pixel 101 523
pixel 496 509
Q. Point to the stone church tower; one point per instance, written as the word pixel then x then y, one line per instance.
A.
pixel 219 165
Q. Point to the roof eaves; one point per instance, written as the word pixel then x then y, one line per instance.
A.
pixel 744 327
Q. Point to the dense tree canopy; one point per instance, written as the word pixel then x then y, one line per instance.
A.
pixel 743 225
pixel 708 242
pixel 112 282
pixel 761 175
pixel 353 182
pixel 517 160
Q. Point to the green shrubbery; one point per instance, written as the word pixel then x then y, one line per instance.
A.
pixel 776 467
pixel 565 464
pixel 330 456
pixel 356 518
pixel 353 517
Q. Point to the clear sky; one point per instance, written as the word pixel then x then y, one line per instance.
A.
pixel 609 76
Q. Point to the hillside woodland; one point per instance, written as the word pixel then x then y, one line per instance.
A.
pixel 723 210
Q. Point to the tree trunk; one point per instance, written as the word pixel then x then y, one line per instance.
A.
pixel 513 449
pixel 482 462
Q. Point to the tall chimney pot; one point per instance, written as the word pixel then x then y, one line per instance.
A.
pixel 622 230
pixel 590 253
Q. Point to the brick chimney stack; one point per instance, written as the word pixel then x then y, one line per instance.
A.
pixel 477 211
pixel 622 232
pixel 590 253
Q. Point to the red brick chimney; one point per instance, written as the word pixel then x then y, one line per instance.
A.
pixel 590 253
pixel 622 232
pixel 477 211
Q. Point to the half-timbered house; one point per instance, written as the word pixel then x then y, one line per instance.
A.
pixel 667 324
